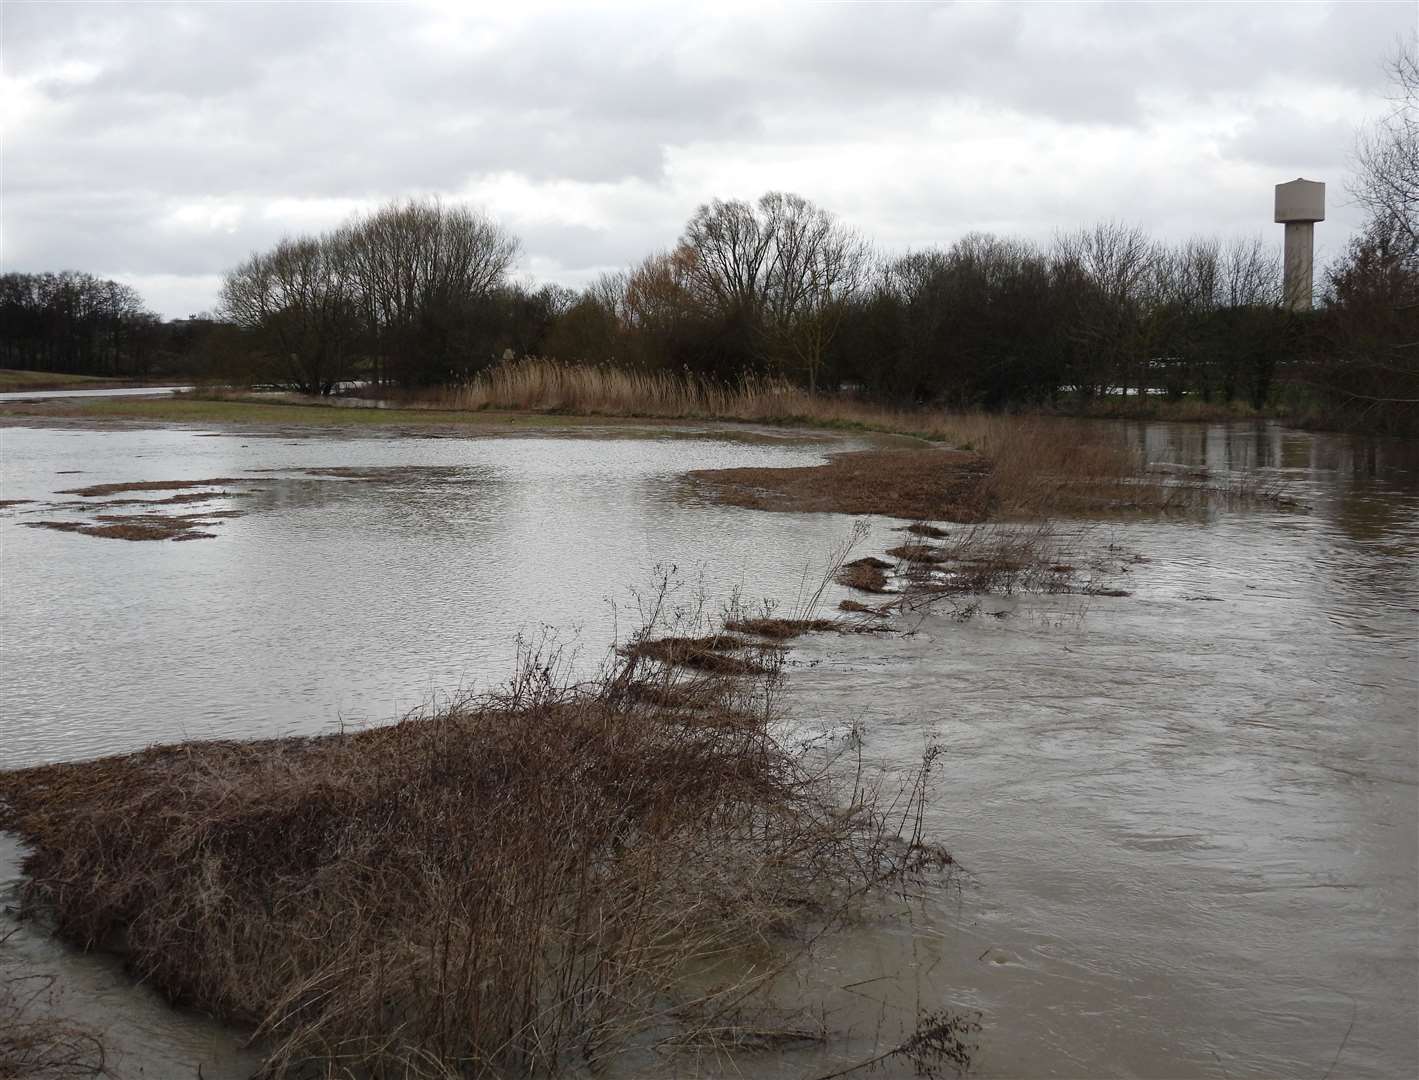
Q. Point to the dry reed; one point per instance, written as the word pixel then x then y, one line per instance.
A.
pixel 517 885
pixel 1028 465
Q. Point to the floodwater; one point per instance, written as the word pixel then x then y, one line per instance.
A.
pixel 116 391
pixel 1187 819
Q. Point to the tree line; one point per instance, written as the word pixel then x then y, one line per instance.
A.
pixel 75 323
pixel 421 292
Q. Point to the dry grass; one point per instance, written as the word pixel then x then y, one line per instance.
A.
pixel 713 653
pixel 1028 466
pixel 931 483
pixel 518 885
pixel 14 380
pixel 919 553
pixel 1032 465
pixel 865 575
pixel 930 532
pixel 855 607
pixel 533 384
pixel 139 527
pixel 151 485
pixel 780 629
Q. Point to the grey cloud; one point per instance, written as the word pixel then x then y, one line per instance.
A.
pixel 250 103
pixel 1288 139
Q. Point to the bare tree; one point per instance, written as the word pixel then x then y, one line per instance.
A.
pixel 1116 267
pixel 818 267
pixel 784 266
pixel 1386 181
pixel 422 271
pixel 728 252
pixel 300 309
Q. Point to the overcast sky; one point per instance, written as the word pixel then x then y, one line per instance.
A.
pixel 161 143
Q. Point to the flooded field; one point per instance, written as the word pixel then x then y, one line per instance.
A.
pixel 1186 818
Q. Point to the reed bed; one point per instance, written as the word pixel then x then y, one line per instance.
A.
pixel 526 883
pixel 533 384
pixel 1024 465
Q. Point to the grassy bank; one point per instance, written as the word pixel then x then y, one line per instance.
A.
pixel 524 884
pixel 13 380
pixel 1014 465
pixel 239 412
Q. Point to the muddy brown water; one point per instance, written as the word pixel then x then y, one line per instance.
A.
pixel 1186 818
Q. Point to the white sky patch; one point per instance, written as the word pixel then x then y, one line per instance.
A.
pixel 208 215
pixel 295 215
pixel 194 294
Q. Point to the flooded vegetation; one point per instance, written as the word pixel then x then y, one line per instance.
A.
pixel 643 627
pixel 1161 748
pixel 528 881
pixel 934 483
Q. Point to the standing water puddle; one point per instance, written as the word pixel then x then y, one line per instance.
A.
pixel 1186 817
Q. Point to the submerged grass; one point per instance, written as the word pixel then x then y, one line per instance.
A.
pixel 1019 466
pixel 525 883
pixel 35 1042
pixel 14 380
pixel 95 490
pixel 780 629
pixel 865 575
pixel 139 526
pixel 714 653
pixel 929 483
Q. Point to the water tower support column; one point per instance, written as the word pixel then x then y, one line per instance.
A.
pixel 1299 205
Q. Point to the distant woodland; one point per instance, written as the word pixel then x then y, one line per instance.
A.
pixel 421 293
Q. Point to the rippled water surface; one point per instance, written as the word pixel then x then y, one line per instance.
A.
pixel 1186 817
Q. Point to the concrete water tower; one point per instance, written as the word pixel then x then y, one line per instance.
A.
pixel 1299 205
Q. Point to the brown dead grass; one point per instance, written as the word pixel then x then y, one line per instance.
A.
pixel 780 629
pixel 5 503
pixel 194 497
pixel 1032 465
pixel 151 485
pixel 519 885
pixel 930 532
pixel 711 653
pixel 919 553
pixel 138 527
pixel 865 575
pixel 914 484
pixel 855 607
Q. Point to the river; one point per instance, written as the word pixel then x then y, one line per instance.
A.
pixel 1186 818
